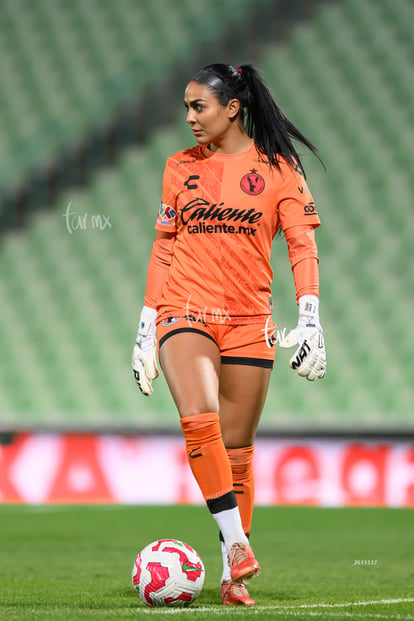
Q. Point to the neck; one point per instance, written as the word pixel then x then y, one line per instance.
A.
pixel 237 143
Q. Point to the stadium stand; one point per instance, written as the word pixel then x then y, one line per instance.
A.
pixel 70 67
pixel 71 284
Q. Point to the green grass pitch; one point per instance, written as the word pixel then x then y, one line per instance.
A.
pixel 67 562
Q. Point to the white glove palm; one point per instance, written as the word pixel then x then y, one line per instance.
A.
pixel 144 355
pixel 309 360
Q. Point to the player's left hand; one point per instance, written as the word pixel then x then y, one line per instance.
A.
pixel 309 359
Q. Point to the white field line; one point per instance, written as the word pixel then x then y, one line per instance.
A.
pixel 372 602
pixel 345 614
pixel 349 615
pixel 292 610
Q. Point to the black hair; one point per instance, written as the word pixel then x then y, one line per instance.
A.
pixel 264 121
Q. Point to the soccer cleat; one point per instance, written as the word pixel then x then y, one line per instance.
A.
pixel 235 594
pixel 242 563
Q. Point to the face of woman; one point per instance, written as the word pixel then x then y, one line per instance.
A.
pixel 209 120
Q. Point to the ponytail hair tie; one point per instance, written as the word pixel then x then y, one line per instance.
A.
pixel 240 70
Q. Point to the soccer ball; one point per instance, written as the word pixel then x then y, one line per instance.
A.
pixel 168 572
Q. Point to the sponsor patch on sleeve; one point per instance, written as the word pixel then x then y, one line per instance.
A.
pixel 166 214
pixel 310 209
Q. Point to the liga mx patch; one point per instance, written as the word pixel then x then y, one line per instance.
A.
pixel 166 214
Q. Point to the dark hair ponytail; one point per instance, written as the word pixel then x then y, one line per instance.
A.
pixel 265 122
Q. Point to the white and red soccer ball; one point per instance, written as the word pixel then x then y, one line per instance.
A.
pixel 168 572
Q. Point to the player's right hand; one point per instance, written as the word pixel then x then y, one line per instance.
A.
pixel 144 354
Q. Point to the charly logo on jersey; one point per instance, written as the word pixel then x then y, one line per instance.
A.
pixel 191 182
pixel 166 214
pixel 252 183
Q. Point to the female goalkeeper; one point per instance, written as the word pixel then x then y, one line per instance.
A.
pixel 208 290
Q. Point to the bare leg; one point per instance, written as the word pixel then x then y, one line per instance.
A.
pixel 191 365
pixel 243 391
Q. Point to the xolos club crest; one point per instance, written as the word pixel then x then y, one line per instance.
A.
pixel 252 183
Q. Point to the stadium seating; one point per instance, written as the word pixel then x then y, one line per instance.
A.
pixel 69 65
pixel 71 286
pixel 344 97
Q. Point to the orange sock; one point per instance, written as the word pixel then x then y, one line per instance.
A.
pixel 207 455
pixel 243 481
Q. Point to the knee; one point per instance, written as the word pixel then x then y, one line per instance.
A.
pixel 193 409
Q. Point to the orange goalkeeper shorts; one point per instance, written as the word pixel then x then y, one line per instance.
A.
pixel 250 344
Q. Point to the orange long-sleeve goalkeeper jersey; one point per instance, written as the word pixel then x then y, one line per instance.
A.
pixel 225 211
